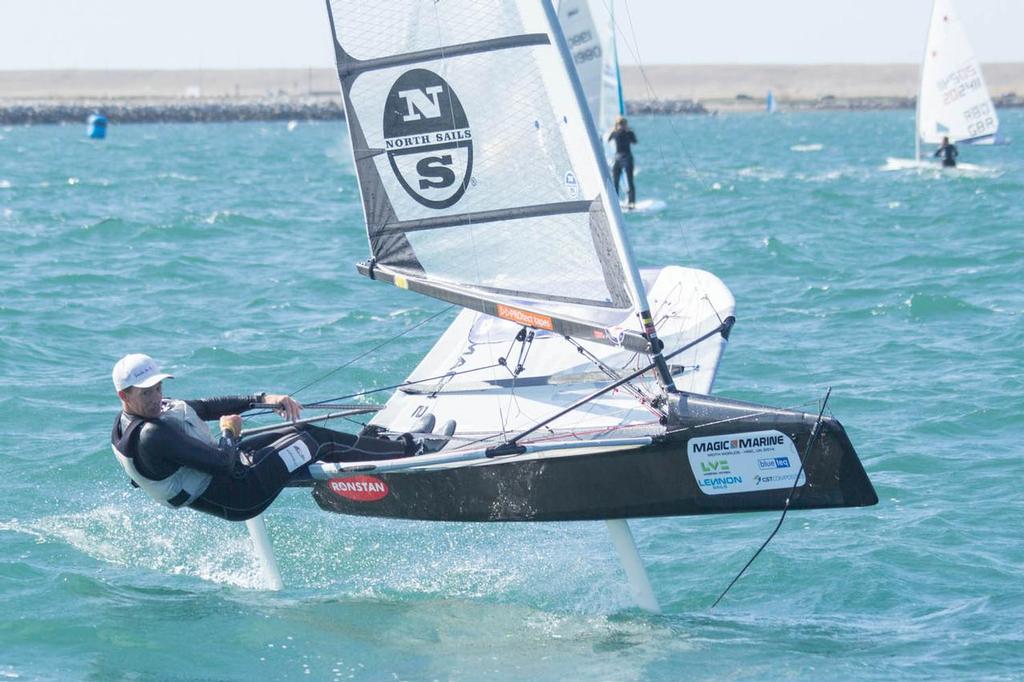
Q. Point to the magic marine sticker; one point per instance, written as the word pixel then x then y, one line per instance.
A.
pixel 427 138
pixel 744 462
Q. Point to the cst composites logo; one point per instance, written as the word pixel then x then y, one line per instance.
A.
pixel 427 138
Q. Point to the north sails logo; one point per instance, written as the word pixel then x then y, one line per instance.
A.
pixel 427 138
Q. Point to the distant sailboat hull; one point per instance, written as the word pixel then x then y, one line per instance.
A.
pixel 897 164
pixel 714 456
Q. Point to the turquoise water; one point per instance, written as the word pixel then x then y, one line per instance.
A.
pixel 227 251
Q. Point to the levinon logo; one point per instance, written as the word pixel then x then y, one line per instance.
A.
pixel 427 138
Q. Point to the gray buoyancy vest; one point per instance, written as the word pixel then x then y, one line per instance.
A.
pixel 185 484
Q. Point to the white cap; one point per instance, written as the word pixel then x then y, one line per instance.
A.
pixel 139 370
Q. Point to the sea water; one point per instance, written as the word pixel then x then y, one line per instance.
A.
pixel 227 252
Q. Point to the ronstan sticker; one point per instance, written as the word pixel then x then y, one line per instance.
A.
pixel 427 138
pixel 359 488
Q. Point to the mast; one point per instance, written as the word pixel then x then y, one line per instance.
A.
pixel 920 85
pixel 613 210
pixel 618 73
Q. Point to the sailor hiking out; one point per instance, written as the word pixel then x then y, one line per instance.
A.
pixel 167 449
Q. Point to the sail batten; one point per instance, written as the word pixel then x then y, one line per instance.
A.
pixel 489 216
pixel 354 67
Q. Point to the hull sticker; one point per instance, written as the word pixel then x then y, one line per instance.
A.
pixel 359 488
pixel 744 462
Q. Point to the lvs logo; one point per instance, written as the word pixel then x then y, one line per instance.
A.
pixel 427 138
pixel 718 466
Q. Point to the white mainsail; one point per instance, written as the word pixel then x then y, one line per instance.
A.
pixel 589 28
pixel 478 165
pixel 953 101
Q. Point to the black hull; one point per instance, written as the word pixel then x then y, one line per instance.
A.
pixel 656 480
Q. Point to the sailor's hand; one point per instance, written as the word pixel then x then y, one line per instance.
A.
pixel 284 405
pixel 232 423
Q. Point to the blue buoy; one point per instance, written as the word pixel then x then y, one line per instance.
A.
pixel 97 126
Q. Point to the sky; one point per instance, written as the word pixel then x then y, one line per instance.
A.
pixel 241 34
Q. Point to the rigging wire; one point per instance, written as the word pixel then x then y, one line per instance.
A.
pixel 470 225
pixel 631 388
pixel 631 44
pixel 634 49
pixel 371 350
pixel 789 498
pixel 446 375
pixel 524 349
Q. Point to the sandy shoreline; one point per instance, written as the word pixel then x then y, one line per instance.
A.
pixel 313 93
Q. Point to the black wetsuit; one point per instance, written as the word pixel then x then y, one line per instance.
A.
pixel 948 153
pixel 247 477
pixel 624 138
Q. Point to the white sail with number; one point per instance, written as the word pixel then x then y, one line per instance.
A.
pixel 954 101
pixel 589 27
pixel 478 165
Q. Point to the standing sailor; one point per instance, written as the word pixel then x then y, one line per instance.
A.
pixel 624 138
pixel 167 449
pixel 948 153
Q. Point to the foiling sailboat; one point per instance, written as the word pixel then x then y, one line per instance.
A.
pixel 578 381
pixel 953 100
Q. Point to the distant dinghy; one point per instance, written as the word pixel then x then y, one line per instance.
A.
pixel 644 206
pixel 953 100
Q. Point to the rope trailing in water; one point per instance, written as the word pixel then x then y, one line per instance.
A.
pixel 789 498
pixel 633 46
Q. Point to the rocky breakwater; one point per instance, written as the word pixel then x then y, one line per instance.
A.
pixel 667 106
pixel 33 112
pixel 36 112
pixel 171 111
